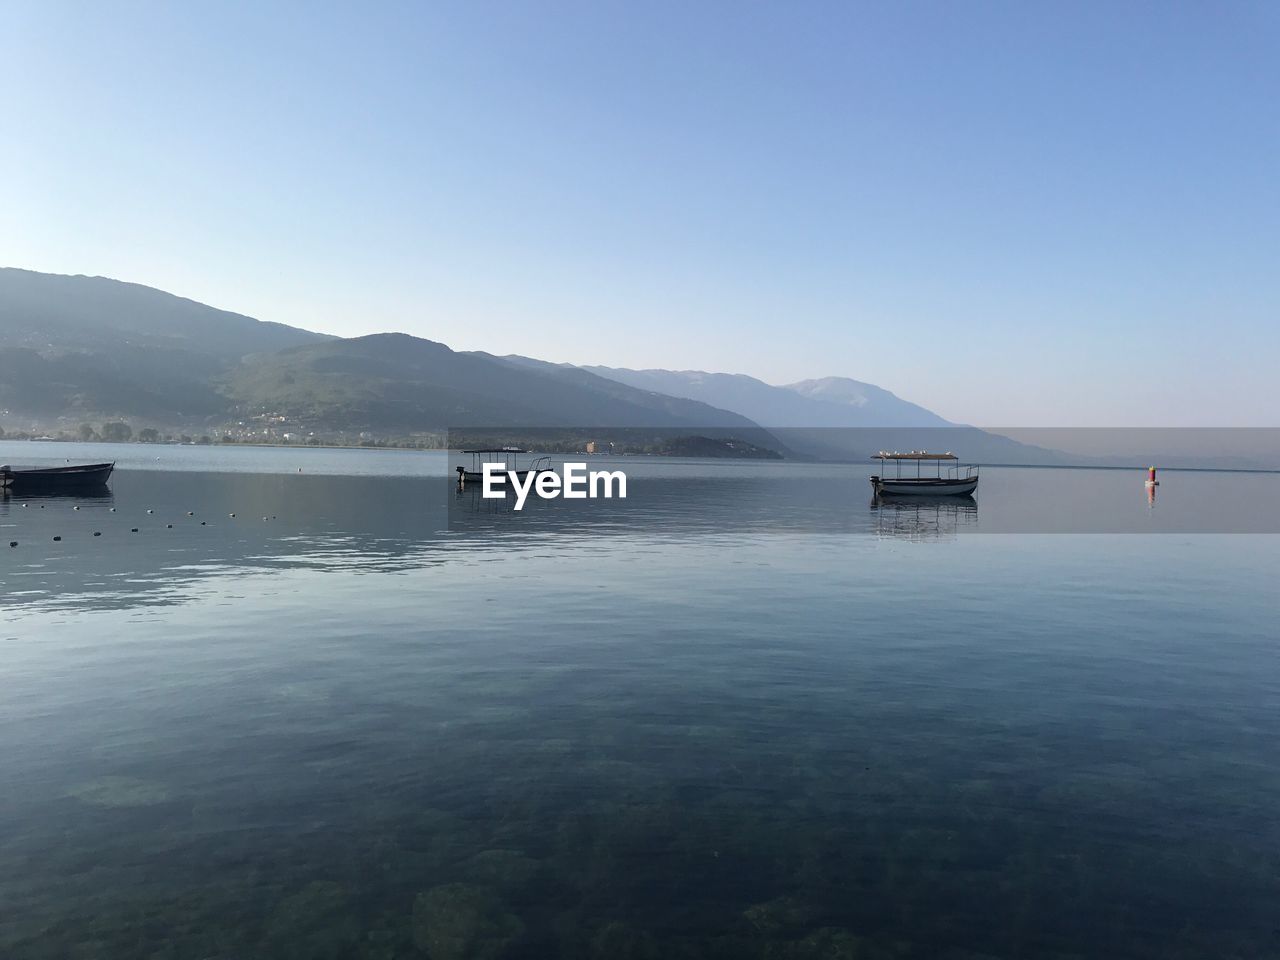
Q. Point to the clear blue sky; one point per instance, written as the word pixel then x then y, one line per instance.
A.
pixel 1013 213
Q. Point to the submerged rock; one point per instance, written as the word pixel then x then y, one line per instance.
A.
pixel 313 924
pixel 774 916
pixel 828 943
pixel 383 943
pixel 504 869
pixel 620 941
pixel 460 921
pixel 120 792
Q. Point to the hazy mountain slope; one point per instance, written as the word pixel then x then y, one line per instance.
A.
pixel 43 310
pixel 772 406
pixel 143 384
pixel 865 398
pixel 691 411
pixel 834 418
pixel 89 345
pixel 396 381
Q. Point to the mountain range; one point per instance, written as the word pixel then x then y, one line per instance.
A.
pixel 84 348
pixel 829 402
pixel 93 347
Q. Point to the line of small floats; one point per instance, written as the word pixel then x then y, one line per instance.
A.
pixel 82 478
pixel 935 475
pixel 57 538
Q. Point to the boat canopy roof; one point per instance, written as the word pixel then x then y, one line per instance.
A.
pixel 914 455
pixel 497 450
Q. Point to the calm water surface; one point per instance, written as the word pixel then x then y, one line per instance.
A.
pixel 745 713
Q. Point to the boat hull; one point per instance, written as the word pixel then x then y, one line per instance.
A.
pixel 925 487
pixel 91 476
pixel 472 476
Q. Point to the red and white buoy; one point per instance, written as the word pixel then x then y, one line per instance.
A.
pixel 1151 477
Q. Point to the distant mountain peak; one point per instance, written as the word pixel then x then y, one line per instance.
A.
pixel 824 402
pixel 842 390
pixel 78 346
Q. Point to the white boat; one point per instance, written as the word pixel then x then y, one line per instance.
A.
pixel 935 475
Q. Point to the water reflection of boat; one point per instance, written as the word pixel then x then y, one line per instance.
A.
pixel 91 476
pixel 923 518
pixel 931 477
pixel 467 503
pixel 507 457
pixel 87 495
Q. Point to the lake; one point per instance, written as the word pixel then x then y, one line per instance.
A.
pixel 744 713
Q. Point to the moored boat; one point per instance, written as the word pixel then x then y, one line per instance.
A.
pixel 87 476
pixel 936 475
pixel 504 457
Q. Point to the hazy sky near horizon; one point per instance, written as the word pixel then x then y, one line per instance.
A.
pixel 1014 214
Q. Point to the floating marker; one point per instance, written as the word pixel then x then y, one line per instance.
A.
pixel 57 538
pixel 97 533
pixel 134 530
pixel 1151 477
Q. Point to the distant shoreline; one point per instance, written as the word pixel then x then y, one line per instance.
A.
pixel 657 456
pixel 224 443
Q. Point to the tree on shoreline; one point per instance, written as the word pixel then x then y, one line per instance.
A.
pixel 116 432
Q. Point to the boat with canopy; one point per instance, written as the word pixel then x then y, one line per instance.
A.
pixel 508 457
pixel 919 473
